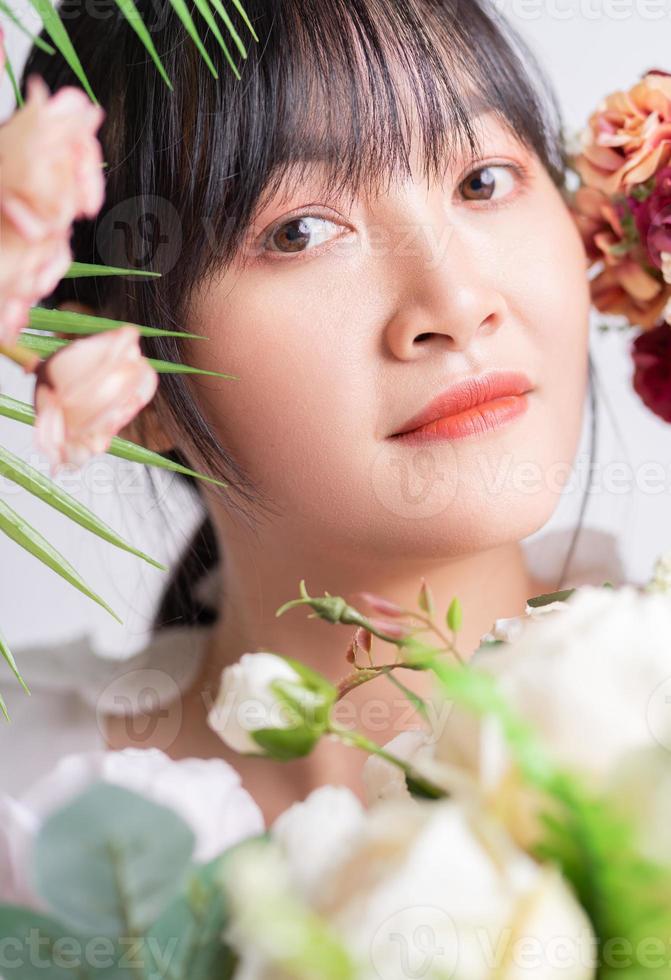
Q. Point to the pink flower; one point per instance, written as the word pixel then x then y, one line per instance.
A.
pixel 50 175
pixel 88 391
pixel 651 353
pixel 628 138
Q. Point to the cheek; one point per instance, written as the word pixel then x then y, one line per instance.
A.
pixel 300 419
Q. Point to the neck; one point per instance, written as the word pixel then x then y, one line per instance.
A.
pixel 256 581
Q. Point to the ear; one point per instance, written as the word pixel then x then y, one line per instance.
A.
pixel 146 428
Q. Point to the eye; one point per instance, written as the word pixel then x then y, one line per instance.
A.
pixel 300 234
pixel 488 183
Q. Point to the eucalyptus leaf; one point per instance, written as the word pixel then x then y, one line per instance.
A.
pixel 187 941
pixel 111 861
pixel 33 949
pixel 16 528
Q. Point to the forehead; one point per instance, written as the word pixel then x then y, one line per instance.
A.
pixel 309 164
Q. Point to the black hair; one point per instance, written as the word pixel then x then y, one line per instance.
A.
pixel 186 169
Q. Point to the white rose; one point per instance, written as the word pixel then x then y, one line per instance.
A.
pixel 585 680
pixel 430 889
pixel 640 787
pixel 330 813
pixel 206 793
pixel 247 703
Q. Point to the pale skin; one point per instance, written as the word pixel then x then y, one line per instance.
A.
pixel 326 343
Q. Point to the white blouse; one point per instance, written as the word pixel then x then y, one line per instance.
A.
pixel 73 686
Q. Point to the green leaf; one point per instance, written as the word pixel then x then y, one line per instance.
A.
pixel 7 655
pixel 283 744
pixel 27 537
pixel 134 18
pixel 454 615
pixel 53 25
pixel 187 941
pixel 45 346
pixel 83 270
pixel 182 12
pixel 239 8
pixel 19 411
pixel 206 14
pixel 34 38
pixel 418 703
pixel 219 7
pixel 548 597
pixel 19 472
pixel 32 937
pixel 111 861
pixel 12 77
pixel 65 321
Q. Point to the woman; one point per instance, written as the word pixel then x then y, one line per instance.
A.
pixel 374 214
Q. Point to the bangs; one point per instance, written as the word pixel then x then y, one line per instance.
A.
pixel 349 84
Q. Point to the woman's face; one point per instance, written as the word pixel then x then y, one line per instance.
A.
pixel 343 323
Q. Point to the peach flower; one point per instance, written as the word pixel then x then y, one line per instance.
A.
pixel 628 138
pixel 628 290
pixel 87 392
pixel 50 175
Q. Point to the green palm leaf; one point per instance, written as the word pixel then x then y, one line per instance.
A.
pixel 206 14
pixel 19 411
pixel 44 346
pixel 180 8
pixel 132 15
pixel 65 321
pixel 53 25
pixel 81 270
pixel 14 526
pixel 239 8
pixel 19 472
pixel 6 653
pixel 35 38
pixel 12 78
pixel 218 6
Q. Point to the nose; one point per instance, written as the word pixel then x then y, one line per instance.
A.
pixel 448 294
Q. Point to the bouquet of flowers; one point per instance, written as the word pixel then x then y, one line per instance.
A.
pixel 623 209
pixel 520 830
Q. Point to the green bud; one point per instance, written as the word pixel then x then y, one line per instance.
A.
pixel 455 615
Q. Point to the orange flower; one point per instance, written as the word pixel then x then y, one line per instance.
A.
pixel 628 138
pixel 50 175
pixel 600 224
pixel 627 289
pixel 87 392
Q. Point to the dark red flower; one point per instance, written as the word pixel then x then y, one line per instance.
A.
pixel 651 353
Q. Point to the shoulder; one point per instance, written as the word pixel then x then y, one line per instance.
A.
pixel 596 558
pixel 74 687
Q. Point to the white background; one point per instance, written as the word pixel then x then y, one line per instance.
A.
pixel 589 47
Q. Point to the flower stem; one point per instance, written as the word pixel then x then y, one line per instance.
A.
pixel 25 358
